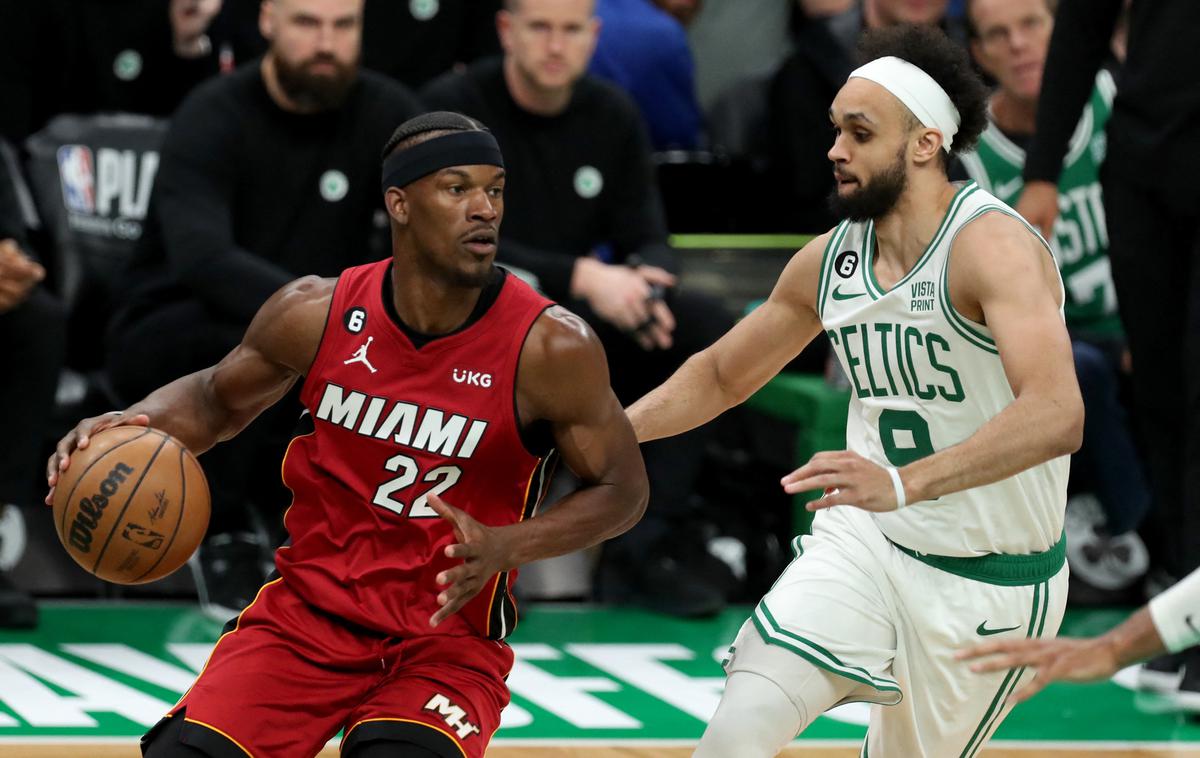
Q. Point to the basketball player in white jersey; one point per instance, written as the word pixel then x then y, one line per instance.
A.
pixel 942 522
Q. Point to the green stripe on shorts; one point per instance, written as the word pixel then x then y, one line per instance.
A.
pixel 773 634
pixel 1041 594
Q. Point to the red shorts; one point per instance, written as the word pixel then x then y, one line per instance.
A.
pixel 289 676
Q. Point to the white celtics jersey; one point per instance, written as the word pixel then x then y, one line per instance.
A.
pixel 925 378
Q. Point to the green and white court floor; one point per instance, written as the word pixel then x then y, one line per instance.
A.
pixel 99 673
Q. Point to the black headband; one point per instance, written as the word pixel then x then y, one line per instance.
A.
pixel 471 148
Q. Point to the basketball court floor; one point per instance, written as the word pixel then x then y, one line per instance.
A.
pixel 589 683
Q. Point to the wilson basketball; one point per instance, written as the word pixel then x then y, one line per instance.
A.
pixel 133 505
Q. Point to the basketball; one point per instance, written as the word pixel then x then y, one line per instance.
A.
pixel 133 505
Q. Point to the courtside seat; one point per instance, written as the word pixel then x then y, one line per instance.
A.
pixel 91 179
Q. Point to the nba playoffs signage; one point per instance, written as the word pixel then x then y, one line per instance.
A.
pixel 106 191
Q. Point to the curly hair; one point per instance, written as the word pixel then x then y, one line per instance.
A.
pixel 425 127
pixel 929 49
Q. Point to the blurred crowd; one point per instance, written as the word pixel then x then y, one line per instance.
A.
pixel 168 164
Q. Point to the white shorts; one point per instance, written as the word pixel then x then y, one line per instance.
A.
pixel 857 605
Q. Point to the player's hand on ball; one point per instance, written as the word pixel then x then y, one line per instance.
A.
pixel 79 437
pixel 1074 660
pixel 847 478
pixel 483 551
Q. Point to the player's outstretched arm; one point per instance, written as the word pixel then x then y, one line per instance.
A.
pixel 216 403
pixel 1069 659
pixel 743 360
pixel 1171 622
pixel 562 379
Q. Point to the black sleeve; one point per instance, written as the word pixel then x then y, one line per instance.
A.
pixel 194 205
pixel 1082 32
pixel 638 222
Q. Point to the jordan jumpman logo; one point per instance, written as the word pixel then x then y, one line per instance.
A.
pixel 360 356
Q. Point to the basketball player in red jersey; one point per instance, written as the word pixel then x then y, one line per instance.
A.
pixel 429 375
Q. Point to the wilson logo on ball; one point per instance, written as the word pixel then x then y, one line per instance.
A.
pixel 91 509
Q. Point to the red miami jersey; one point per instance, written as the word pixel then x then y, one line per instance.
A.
pixel 392 423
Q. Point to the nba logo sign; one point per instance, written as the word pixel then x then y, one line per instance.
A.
pixel 78 177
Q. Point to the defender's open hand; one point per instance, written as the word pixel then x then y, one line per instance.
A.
pixel 1073 660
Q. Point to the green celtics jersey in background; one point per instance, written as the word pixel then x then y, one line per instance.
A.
pixel 1080 235
pixel 925 378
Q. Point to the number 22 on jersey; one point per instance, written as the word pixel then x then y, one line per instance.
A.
pixel 442 478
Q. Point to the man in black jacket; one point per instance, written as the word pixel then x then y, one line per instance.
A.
pixel 585 218
pixel 266 174
pixel 1151 197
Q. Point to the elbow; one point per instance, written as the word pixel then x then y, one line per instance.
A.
pixel 731 391
pixel 638 500
pixel 1070 436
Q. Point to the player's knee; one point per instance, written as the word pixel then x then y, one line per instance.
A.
pixel 755 718
pixel 394 749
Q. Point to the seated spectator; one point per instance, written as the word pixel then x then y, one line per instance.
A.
pixel 411 41
pixel 1009 41
pixel 265 175
pixel 644 51
pixel 79 56
pixel 583 215
pixel 799 134
pixel 32 340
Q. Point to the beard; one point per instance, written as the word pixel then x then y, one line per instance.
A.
pixel 316 92
pixel 876 198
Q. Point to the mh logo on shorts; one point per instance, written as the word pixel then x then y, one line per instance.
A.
pixel 455 717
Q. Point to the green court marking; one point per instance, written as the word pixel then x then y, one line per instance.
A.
pixel 739 241
pixel 582 674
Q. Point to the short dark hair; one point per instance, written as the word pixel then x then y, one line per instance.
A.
pixel 427 126
pixel 929 49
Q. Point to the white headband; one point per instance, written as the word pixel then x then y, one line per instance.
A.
pixel 918 91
